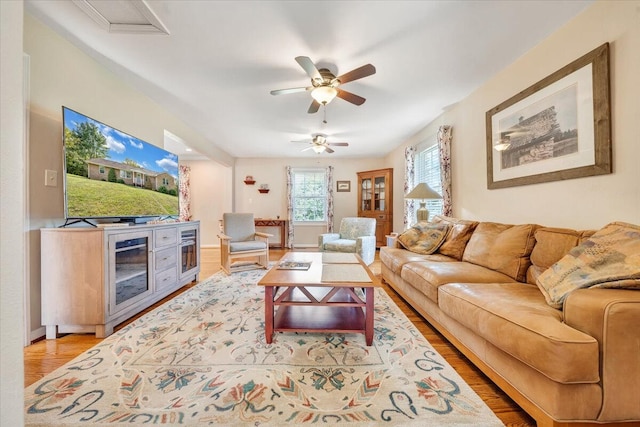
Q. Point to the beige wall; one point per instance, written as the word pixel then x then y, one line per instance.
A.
pixel 272 172
pixel 12 215
pixel 589 202
pixel 63 75
pixel 210 197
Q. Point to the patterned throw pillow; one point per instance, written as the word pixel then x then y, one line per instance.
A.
pixel 456 241
pixel 423 237
pixel 608 259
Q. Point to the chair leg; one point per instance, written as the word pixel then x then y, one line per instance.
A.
pixel 225 262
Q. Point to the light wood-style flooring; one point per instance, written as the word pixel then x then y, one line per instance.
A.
pixel 45 356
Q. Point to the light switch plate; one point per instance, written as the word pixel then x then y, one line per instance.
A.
pixel 50 178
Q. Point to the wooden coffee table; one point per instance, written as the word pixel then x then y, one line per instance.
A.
pixel 298 300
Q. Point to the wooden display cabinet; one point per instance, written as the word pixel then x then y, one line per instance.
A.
pixel 375 200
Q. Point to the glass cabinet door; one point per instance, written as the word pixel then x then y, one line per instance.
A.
pixel 379 193
pixel 188 250
pixel 129 261
pixel 367 192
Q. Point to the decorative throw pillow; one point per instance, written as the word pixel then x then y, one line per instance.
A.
pixel 608 259
pixel 456 241
pixel 423 237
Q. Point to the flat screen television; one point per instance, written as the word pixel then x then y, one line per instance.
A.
pixel 111 174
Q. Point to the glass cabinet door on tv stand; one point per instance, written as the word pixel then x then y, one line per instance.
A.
pixel 129 264
pixel 189 253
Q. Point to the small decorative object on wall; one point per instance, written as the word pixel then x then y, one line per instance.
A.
pixel 558 128
pixel 249 180
pixel 343 186
pixel 264 188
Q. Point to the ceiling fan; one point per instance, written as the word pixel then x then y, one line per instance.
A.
pixel 324 85
pixel 319 144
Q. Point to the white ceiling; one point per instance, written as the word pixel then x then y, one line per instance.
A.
pixel 222 58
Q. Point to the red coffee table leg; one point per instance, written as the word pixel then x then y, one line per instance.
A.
pixel 268 314
pixel 368 315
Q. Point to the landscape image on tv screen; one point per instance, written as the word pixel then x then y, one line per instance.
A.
pixel 110 174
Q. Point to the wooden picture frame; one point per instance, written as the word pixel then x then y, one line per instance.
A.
pixel 557 129
pixel 343 186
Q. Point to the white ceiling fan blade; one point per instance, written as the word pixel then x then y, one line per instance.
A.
pixel 309 67
pixel 290 90
pixel 338 144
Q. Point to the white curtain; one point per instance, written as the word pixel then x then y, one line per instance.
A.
pixel 289 207
pixel 444 149
pixel 184 193
pixel 409 183
pixel 330 199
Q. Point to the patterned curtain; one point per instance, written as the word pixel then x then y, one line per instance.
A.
pixel 330 199
pixel 289 207
pixel 184 182
pixel 444 149
pixel 409 183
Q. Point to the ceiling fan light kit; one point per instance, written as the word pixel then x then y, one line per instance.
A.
pixel 324 94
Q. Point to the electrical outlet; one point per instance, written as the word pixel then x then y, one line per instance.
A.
pixel 50 178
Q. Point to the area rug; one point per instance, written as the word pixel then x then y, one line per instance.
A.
pixel 201 359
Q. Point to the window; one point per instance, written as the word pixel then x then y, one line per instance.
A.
pixel 427 169
pixel 101 169
pixel 165 181
pixel 309 195
pixel 123 174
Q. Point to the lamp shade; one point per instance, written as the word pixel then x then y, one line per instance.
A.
pixel 422 191
pixel 324 94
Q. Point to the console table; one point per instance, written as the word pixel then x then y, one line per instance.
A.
pixel 95 278
pixel 281 224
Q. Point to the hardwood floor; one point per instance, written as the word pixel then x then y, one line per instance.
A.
pixel 45 356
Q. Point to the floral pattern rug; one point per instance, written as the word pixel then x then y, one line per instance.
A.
pixel 202 359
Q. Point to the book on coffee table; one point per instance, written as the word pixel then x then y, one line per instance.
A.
pixel 294 265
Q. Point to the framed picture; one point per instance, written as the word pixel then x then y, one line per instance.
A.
pixel 559 128
pixel 343 186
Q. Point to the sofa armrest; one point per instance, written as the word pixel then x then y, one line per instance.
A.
pixel 326 237
pixel 366 248
pixel 612 317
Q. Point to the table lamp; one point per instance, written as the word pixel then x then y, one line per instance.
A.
pixel 422 192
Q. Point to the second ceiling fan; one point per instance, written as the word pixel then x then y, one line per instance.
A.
pixel 324 85
pixel 319 144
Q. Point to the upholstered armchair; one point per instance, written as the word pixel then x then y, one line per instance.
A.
pixel 357 235
pixel 240 240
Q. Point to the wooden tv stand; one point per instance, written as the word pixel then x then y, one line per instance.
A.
pixel 95 278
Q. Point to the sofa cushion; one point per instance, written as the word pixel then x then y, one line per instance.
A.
pixel 423 237
pixel 458 236
pixel 427 276
pixel 608 259
pixel 551 245
pixel 395 258
pixel 516 319
pixel 502 247
pixel 340 245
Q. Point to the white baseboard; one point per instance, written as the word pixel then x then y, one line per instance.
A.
pixel 209 246
pixel 38 333
pixel 307 245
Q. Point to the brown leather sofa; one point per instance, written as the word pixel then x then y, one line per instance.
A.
pixel 578 365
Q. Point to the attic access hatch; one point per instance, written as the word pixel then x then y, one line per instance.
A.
pixel 123 16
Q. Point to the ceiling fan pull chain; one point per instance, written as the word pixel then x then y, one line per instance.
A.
pixel 324 111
